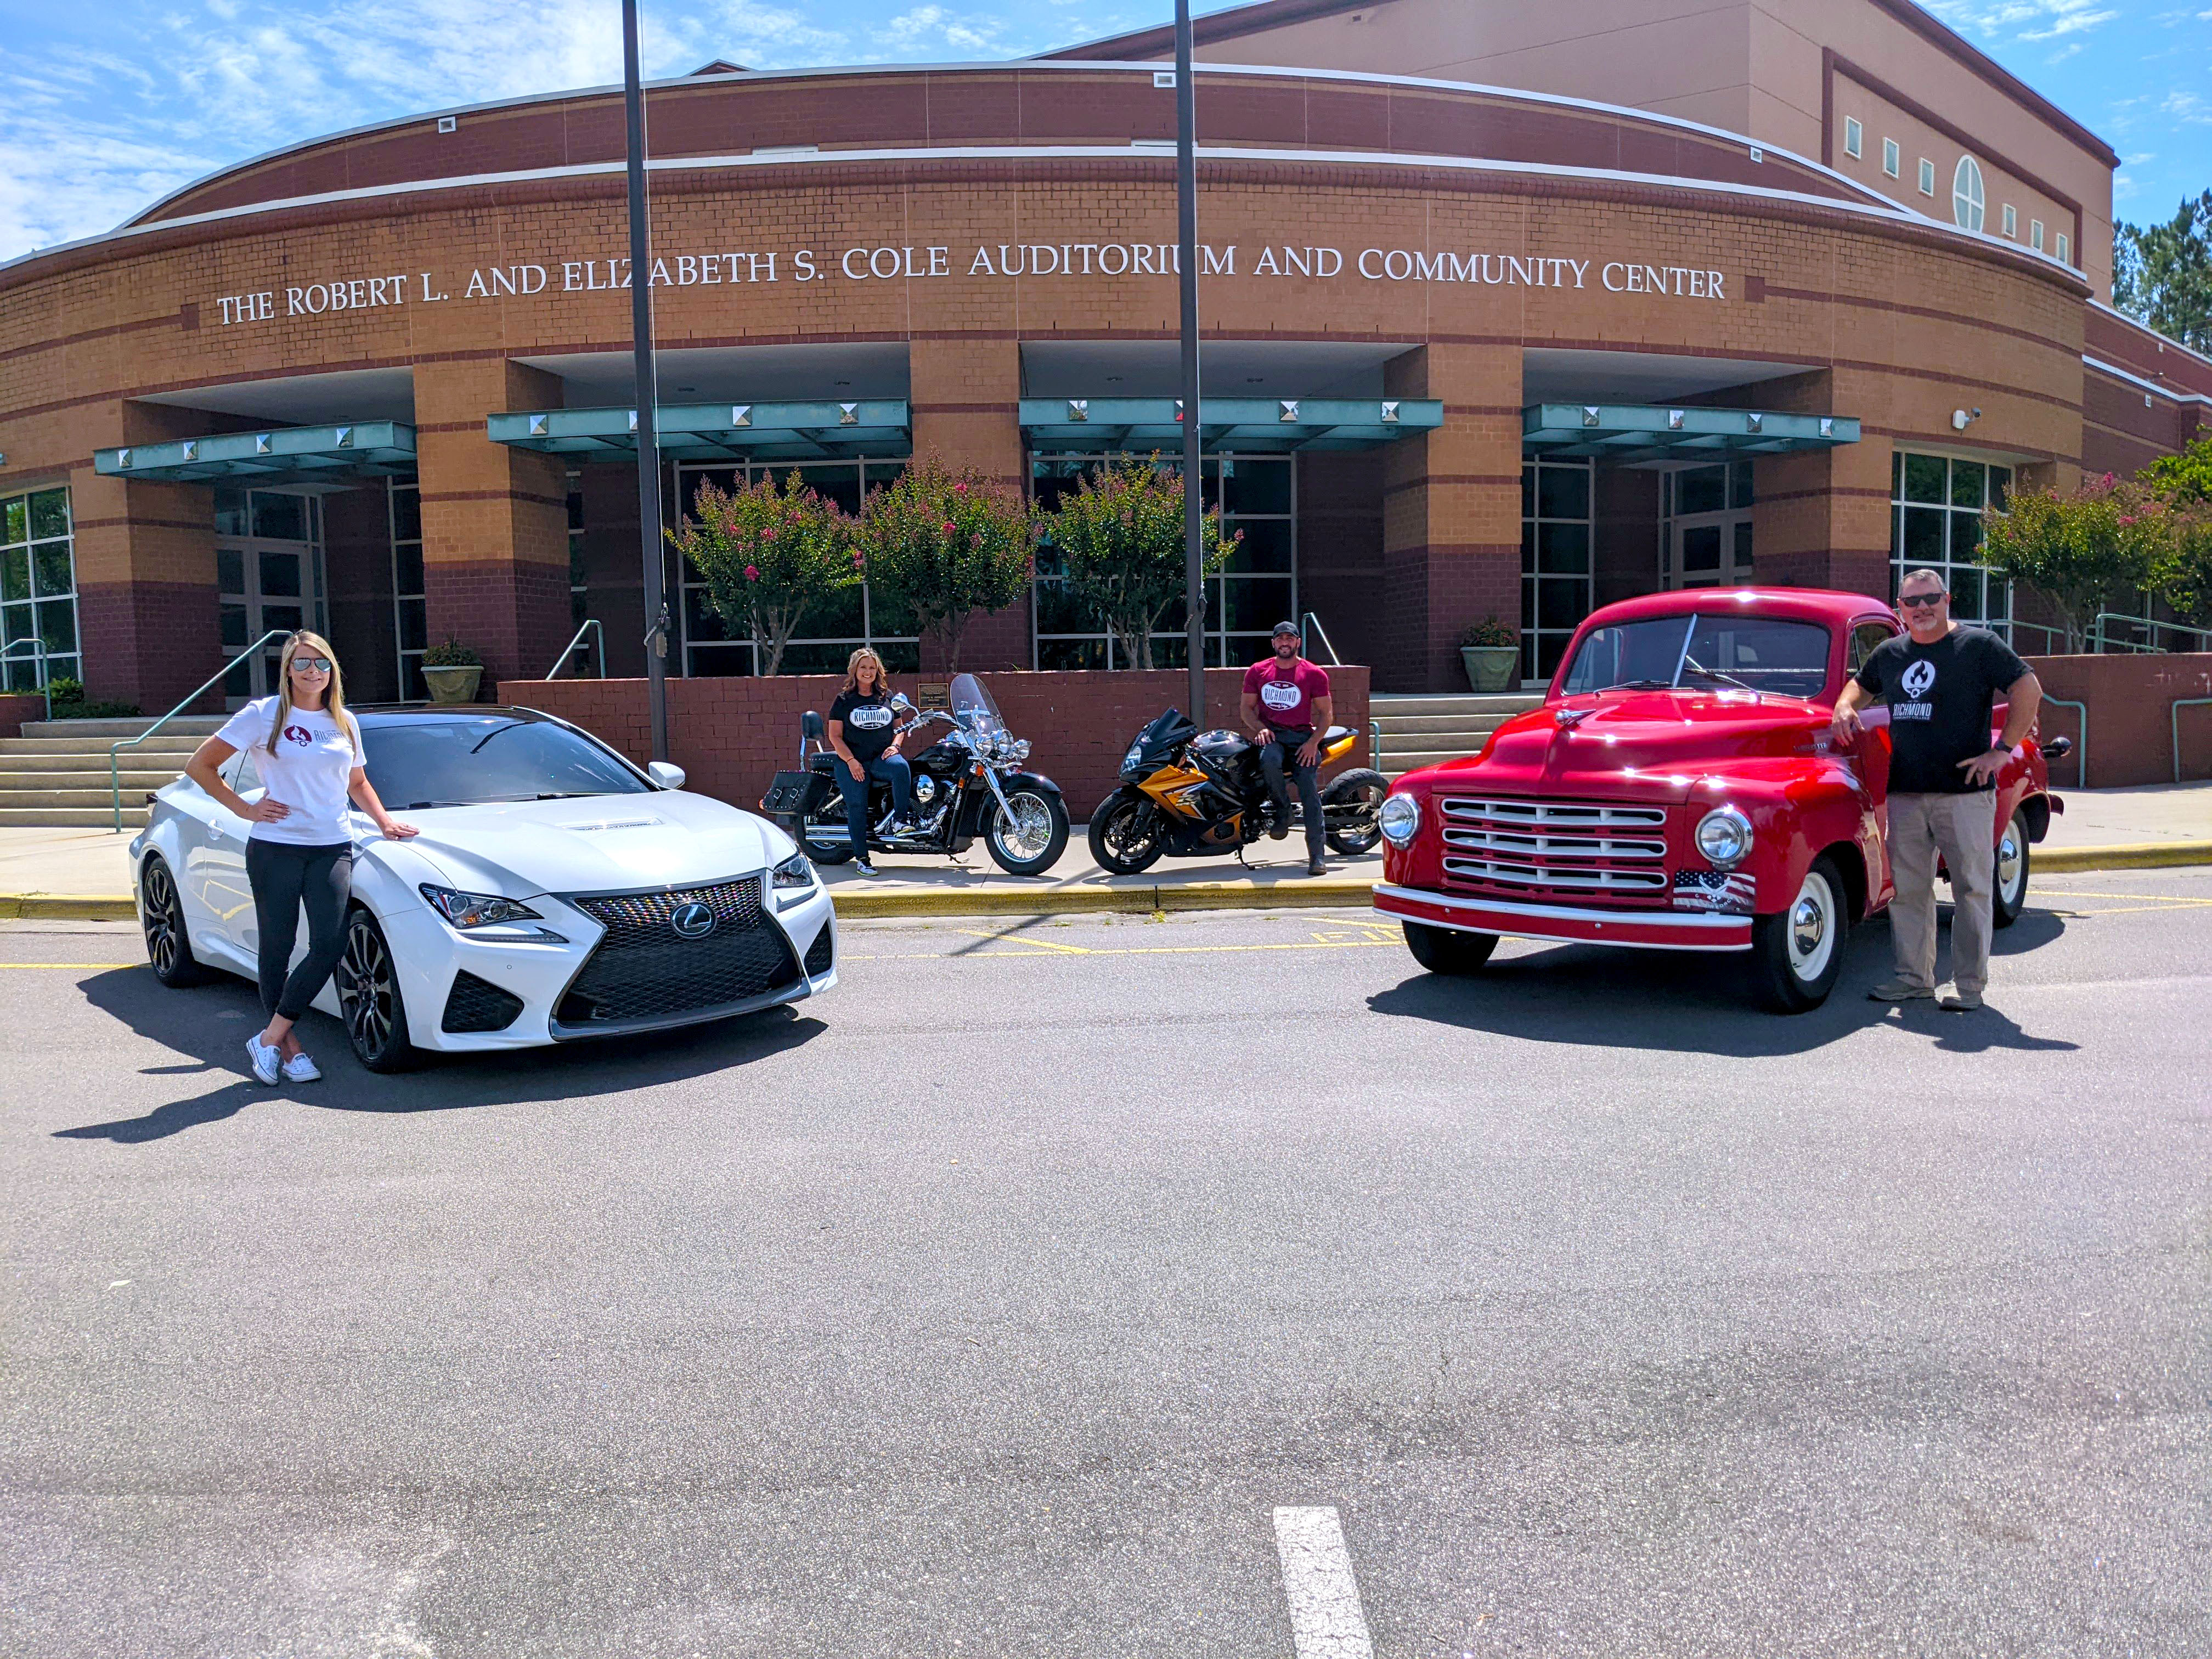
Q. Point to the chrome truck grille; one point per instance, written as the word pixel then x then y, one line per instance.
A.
pixel 1562 851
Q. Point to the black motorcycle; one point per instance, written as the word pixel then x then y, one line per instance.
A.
pixel 970 781
pixel 1187 794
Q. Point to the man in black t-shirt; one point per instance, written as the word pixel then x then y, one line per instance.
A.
pixel 1940 681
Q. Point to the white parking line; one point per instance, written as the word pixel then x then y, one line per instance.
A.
pixel 1326 1621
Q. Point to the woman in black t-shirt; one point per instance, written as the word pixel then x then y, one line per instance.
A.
pixel 864 730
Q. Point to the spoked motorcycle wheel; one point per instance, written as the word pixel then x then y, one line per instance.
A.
pixel 1349 806
pixel 1030 840
pixel 161 913
pixel 369 998
pixel 1127 835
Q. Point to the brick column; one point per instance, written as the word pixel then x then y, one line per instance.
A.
pixel 1821 518
pixel 1451 512
pixel 147 615
pixel 966 401
pixel 495 519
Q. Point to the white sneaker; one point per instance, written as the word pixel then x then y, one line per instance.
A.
pixel 266 1059
pixel 302 1068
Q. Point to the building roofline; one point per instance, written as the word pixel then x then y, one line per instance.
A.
pixel 2142 327
pixel 1241 21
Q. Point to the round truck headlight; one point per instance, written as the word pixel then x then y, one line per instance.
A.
pixel 1724 837
pixel 1400 820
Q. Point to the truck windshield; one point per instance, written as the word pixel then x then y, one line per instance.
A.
pixel 1752 653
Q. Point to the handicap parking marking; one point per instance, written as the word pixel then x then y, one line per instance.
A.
pixel 1327 1621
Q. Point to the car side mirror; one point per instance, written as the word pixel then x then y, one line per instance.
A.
pixel 810 726
pixel 667 776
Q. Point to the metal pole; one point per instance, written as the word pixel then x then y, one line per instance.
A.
pixel 1194 523
pixel 647 394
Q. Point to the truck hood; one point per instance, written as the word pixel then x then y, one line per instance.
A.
pixel 1654 744
pixel 590 844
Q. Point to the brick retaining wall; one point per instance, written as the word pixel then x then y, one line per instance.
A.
pixel 16 708
pixel 2131 699
pixel 731 736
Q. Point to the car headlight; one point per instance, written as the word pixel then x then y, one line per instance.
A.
pixel 793 871
pixel 488 916
pixel 1724 837
pixel 1400 820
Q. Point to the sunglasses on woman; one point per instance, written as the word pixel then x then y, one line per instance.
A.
pixel 311 665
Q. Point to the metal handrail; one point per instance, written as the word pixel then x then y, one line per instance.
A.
pixel 114 767
pixel 38 655
pixel 2174 716
pixel 1321 634
pixel 2080 749
pixel 2199 635
pixel 590 626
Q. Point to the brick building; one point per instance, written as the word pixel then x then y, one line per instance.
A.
pixel 1513 349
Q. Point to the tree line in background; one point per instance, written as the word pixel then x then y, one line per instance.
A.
pixel 2102 546
pixel 940 546
pixel 2162 273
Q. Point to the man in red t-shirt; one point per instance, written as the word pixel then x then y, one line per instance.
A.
pixel 1286 705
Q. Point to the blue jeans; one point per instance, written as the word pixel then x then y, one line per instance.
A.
pixel 1281 755
pixel 890 769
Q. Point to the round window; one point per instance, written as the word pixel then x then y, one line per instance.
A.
pixel 1966 194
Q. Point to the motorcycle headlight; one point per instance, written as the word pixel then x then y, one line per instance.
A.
pixel 488 915
pixel 1134 760
pixel 1016 750
pixel 1724 837
pixel 793 871
pixel 1400 820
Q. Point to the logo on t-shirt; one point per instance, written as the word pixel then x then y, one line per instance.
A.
pixel 1918 676
pixel 301 735
pixel 870 717
pixel 1281 694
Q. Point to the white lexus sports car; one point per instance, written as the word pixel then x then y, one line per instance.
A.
pixel 555 892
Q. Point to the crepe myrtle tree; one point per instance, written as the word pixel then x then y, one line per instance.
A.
pixel 1120 537
pixel 2183 483
pixel 941 546
pixel 767 553
pixel 2092 550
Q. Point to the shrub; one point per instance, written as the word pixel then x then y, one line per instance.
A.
pixel 1488 632
pixel 943 546
pixel 766 554
pixel 450 653
pixel 2094 550
pixel 1119 536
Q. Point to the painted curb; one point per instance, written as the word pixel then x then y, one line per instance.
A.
pixel 1143 898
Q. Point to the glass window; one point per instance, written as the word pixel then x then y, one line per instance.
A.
pixel 1786 658
pixel 1740 483
pixel 1889 156
pixel 2065 254
pixel 38 591
pixel 1556 583
pixel 410 621
pixel 2011 220
pixel 280 517
pixel 1927 176
pixel 50 514
pixel 1937 505
pixel 1925 478
pixel 1701 490
pixel 1864 638
pixel 1966 194
pixel 416 762
pixel 1852 132
pixel 2035 234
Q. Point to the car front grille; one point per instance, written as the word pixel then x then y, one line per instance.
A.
pixel 645 970
pixel 478 1005
pixel 1556 851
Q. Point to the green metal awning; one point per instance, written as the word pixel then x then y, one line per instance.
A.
pixel 297 454
pixel 729 432
pixel 1083 425
pixel 1630 435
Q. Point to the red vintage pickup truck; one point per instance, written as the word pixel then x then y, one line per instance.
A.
pixel 1679 789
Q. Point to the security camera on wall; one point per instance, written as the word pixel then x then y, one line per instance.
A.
pixel 1961 418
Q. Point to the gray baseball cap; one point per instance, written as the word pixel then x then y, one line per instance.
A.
pixel 1282 628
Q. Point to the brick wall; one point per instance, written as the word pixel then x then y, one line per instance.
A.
pixel 2131 701
pixel 732 736
pixel 15 708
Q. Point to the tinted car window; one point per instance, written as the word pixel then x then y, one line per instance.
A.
pixel 1864 638
pixel 1759 653
pixel 470 759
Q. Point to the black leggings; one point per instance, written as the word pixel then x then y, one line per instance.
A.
pixel 283 878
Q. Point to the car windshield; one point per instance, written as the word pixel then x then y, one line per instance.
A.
pixel 470 759
pixel 1704 651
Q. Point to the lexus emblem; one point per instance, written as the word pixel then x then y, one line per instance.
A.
pixel 692 920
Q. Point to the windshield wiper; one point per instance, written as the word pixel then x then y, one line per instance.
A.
pixel 1696 667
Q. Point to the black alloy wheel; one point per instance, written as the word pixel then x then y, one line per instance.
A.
pixel 369 998
pixel 1349 807
pixel 1127 833
pixel 161 914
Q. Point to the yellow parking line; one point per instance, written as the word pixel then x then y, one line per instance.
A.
pixel 1025 939
pixel 2161 899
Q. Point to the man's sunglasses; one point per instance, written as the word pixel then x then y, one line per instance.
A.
pixel 311 665
pixel 1914 601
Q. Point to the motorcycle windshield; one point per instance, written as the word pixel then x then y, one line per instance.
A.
pixel 972 705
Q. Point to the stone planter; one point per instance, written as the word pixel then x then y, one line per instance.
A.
pixel 453 685
pixel 1491 667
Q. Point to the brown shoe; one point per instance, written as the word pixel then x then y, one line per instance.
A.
pixel 1900 990
pixel 1959 1002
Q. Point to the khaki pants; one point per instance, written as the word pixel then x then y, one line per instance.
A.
pixel 1963 829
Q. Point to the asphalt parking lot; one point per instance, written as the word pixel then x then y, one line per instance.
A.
pixel 998 1303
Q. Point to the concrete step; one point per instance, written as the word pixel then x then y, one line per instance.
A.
pixel 164 745
pixel 69 818
pixel 1408 760
pixel 88 778
pixel 1463 702
pixel 1413 724
pixel 135 763
pixel 86 797
pixel 195 726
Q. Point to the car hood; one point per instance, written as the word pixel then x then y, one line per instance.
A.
pixel 1655 744
pixel 592 844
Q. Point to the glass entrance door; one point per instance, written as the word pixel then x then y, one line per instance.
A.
pixel 1708 525
pixel 269 571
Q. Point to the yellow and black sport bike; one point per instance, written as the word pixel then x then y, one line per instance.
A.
pixel 1187 794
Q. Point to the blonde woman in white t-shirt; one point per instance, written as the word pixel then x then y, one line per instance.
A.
pixel 300 849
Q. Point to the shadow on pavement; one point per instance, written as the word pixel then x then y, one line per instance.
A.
pixel 211 1021
pixel 1682 1002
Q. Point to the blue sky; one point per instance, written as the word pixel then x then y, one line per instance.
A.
pixel 111 103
